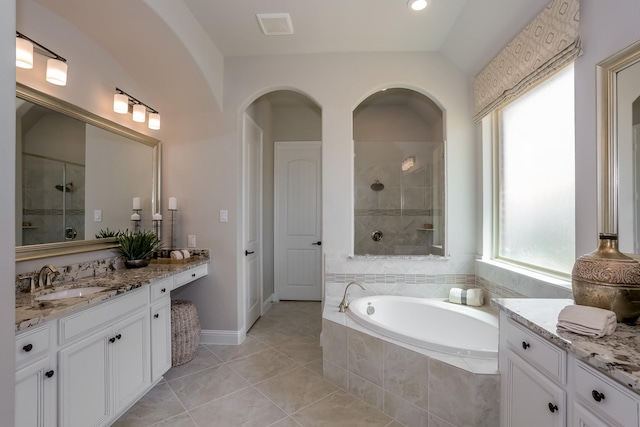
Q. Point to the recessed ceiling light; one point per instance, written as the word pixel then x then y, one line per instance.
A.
pixel 417 4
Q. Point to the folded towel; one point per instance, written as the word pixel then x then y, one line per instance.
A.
pixel 585 320
pixel 176 255
pixel 466 296
pixel 185 253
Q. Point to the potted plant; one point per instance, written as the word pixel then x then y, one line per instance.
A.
pixel 136 249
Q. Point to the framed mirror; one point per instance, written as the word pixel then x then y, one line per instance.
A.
pixel 76 177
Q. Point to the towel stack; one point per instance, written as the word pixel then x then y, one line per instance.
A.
pixel 466 296
pixel 182 254
pixel 585 320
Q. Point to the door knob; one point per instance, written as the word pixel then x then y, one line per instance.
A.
pixel 318 243
pixel 247 253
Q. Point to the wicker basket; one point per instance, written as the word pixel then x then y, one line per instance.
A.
pixel 185 332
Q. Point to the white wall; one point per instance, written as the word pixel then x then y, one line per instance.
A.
pixel 7 216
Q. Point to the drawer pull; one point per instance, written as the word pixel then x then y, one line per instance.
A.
pixel 112 340
pixel 155 316
pixel 118 336
pixel 552 407
pixel 28 348
pixel 163 290
pixel 597 396
pixel 49 374
pixel 525 345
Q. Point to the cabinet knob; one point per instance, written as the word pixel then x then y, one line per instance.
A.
pixel 155 316
pixel 552 407
pixel 193 275
pixel 28 348
pixel 49 374
pixel 525 345
pixel 112 340
pixel 597 396
pixel 118 336
pixel 163 290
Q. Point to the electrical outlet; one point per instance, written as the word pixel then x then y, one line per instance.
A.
pixel 224 216
pixel 191 241
pixel 97 216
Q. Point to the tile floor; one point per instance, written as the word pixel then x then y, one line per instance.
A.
pixel 272 379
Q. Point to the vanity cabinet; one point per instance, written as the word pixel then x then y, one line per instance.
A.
pixel 160 328
pixel 35 394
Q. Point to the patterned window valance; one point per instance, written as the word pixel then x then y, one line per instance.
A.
pixel 548 43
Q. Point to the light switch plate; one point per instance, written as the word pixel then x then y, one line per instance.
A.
pixel 97 216
pixel 224 216
pixel 191 241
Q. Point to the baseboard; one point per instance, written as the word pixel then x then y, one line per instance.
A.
pixel 266 305
pixel 222 337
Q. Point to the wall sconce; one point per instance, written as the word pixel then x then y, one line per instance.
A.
pixel 56 64
pixel 408 163
pixel 121 102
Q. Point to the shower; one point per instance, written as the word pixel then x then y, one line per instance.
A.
pixel 377 186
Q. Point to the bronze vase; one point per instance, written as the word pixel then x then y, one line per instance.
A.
pixel 607 278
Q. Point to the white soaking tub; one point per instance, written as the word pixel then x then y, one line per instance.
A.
pixel 430 324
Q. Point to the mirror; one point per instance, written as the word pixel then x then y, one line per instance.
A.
pixel 76 175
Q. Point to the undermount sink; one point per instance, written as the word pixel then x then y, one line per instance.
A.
pixel 70 293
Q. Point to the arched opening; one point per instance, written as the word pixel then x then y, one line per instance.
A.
pixel 399 175
pixel 291 267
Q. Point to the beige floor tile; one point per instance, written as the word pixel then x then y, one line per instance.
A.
pixel 286 422
pixel 279 335
pixel 263 365
pixel 296 389
pixel 230 352
pixel 182 420
pixel 246 408
pixel 204 386
pixel 158 404
pixel 341 409
pixel 315 366
pixel 302 350
pixel 204 360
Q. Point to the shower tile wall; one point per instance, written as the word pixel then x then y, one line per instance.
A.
pixel 43 219
pixel 402 210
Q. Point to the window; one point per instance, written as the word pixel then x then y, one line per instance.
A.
pixel 535 215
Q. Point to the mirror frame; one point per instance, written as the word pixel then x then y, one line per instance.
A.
pixel 25 253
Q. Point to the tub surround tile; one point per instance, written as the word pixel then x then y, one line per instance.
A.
pixel 341 408
pixel 451 394
pixel 366 391
pixel 617 355
pixel 246 407
pixel 365 356
pixel 204 386
pixel 334 343
pixel 406 374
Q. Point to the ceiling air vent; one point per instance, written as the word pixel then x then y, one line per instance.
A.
pixel 275 24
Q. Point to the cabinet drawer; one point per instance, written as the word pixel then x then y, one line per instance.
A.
pixel 161 289
pixel 31 344
pixel 84 321
pixel 605 397
pixel 537 351
pixel 190 275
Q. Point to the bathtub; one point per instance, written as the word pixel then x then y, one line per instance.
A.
pixel 430 324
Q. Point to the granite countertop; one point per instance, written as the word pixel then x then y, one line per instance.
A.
pixel 617 355
pixel 30 312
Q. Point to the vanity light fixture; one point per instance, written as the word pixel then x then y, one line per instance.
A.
pixel 56 65
pixel 121 102
pixel 417 4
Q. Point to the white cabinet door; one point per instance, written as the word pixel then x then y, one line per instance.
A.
pixel 84 382
pixel 35 394
pixel 582 417
pixel 530 398
pixel 160 339
pixel 131 363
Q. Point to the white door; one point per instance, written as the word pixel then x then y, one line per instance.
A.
pixel 252 200
pixel 298 220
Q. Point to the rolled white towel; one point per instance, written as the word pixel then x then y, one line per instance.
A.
pixel 185 254
pixel 585 320
pixel 176 255
pixel 466 296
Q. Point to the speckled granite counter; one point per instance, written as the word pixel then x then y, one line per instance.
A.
pixel 617 355
pixel 30 312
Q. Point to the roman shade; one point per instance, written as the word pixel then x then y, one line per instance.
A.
pixel 549 42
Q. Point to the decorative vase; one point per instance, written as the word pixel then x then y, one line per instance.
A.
pixel 606 278
pixel 136 263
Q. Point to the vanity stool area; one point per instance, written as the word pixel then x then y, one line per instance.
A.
pixel 554 378
pixel 84 361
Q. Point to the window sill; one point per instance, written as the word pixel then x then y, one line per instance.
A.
pixel 540 277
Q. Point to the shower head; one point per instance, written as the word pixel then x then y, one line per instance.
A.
pixel 377 186
pixel 66 188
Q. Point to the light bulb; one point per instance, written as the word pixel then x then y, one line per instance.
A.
pixel 154 121
pixel 24 53
pixel 120 103
pixel 417 4
pixel 139 113
pixel 56 72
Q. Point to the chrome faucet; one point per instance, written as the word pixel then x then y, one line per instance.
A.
pixel 44 276
pixel 344 304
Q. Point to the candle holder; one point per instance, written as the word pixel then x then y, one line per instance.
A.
pixel 135 219
pixel 173 211
pixel 157 225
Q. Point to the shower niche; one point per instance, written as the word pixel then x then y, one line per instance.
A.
pixel 399 206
